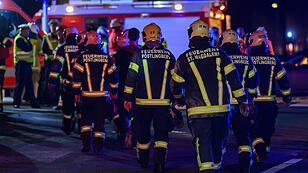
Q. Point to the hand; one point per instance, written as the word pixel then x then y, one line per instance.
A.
pixel 287 100
pixel 79 115
pixel 244 109
pixel 286 104
pixel 113 96
pixel 127 105
pixel 77 98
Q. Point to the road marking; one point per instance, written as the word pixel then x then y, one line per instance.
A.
pixel 299 105
pixel 282 166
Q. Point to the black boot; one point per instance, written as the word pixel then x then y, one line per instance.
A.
pixel 86 141
pixel 66 124
pixel 98 146
pixel 143 164
pixel 159 168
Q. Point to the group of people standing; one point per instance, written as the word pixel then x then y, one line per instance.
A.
pixel 217 83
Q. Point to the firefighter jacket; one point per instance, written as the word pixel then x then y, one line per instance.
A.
pixel 148 77
pixel 122 61
pixel 202 73
pixel 63 63
pixel 49 44
pixel 269 69
pixel 245 68
pixel 95 74
pixel 22 49
pixel 112 43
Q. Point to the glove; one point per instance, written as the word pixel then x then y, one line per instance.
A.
pixel 178 103
pixel 244 109
pixel 113 96
pixel 287 100
pixel 251 107
pixel 177 118
pixel 77 98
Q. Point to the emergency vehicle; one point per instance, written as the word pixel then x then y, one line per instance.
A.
pixel 11 16
pixel 174 17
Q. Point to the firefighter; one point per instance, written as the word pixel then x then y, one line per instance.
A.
pixel 5 44
pixel 58 100
pixel 62 67
pixel 104 36
pixel 117 27
pixel 148 78
pixel 269 69
pixel 214 34
pixel 241 33
pixel 202 71
pixel 81 41
pixel 37 52
pixel 49 44
pixel 128 47
pixel 96 74
pixel 270 44
pixel 23 60
pixel 249 77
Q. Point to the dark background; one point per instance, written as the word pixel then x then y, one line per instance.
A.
pixel 291 15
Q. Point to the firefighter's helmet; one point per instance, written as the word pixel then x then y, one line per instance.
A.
pixel 116 23
pixel 151 32
pixel 53 22
pixel 25 25
pixel 82 37
pixel 198 28
pixel 122 40
pixel 229 36
pixel 257 38
pixel 33 28
pixel 93 38
pixel 70 30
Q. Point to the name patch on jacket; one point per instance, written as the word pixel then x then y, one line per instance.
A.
pixel 202 54
pixel 95 58
pixel 239 59
pixel 268 60
pixel 155 53
pixel 70 48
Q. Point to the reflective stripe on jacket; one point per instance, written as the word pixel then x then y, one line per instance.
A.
pixel 19 53
pixel 148 77
pixel 200 75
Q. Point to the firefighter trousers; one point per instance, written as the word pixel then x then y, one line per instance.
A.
pixel 240 127
pixel 265 121
pixel 209 134
pixel 142 119
pixel 93 111
pixel 68 108
pixel 23 74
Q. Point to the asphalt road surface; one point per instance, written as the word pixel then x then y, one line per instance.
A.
pixel 31 141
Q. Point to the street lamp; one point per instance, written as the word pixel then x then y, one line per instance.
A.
pixel 274 5
pixel 289 34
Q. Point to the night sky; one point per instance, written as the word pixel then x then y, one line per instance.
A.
pixel 291 15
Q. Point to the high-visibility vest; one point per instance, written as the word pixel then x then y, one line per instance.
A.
pixel 52 44
pixel 19 54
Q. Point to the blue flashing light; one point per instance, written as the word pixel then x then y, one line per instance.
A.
pixel 1 2
pixel 289 34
